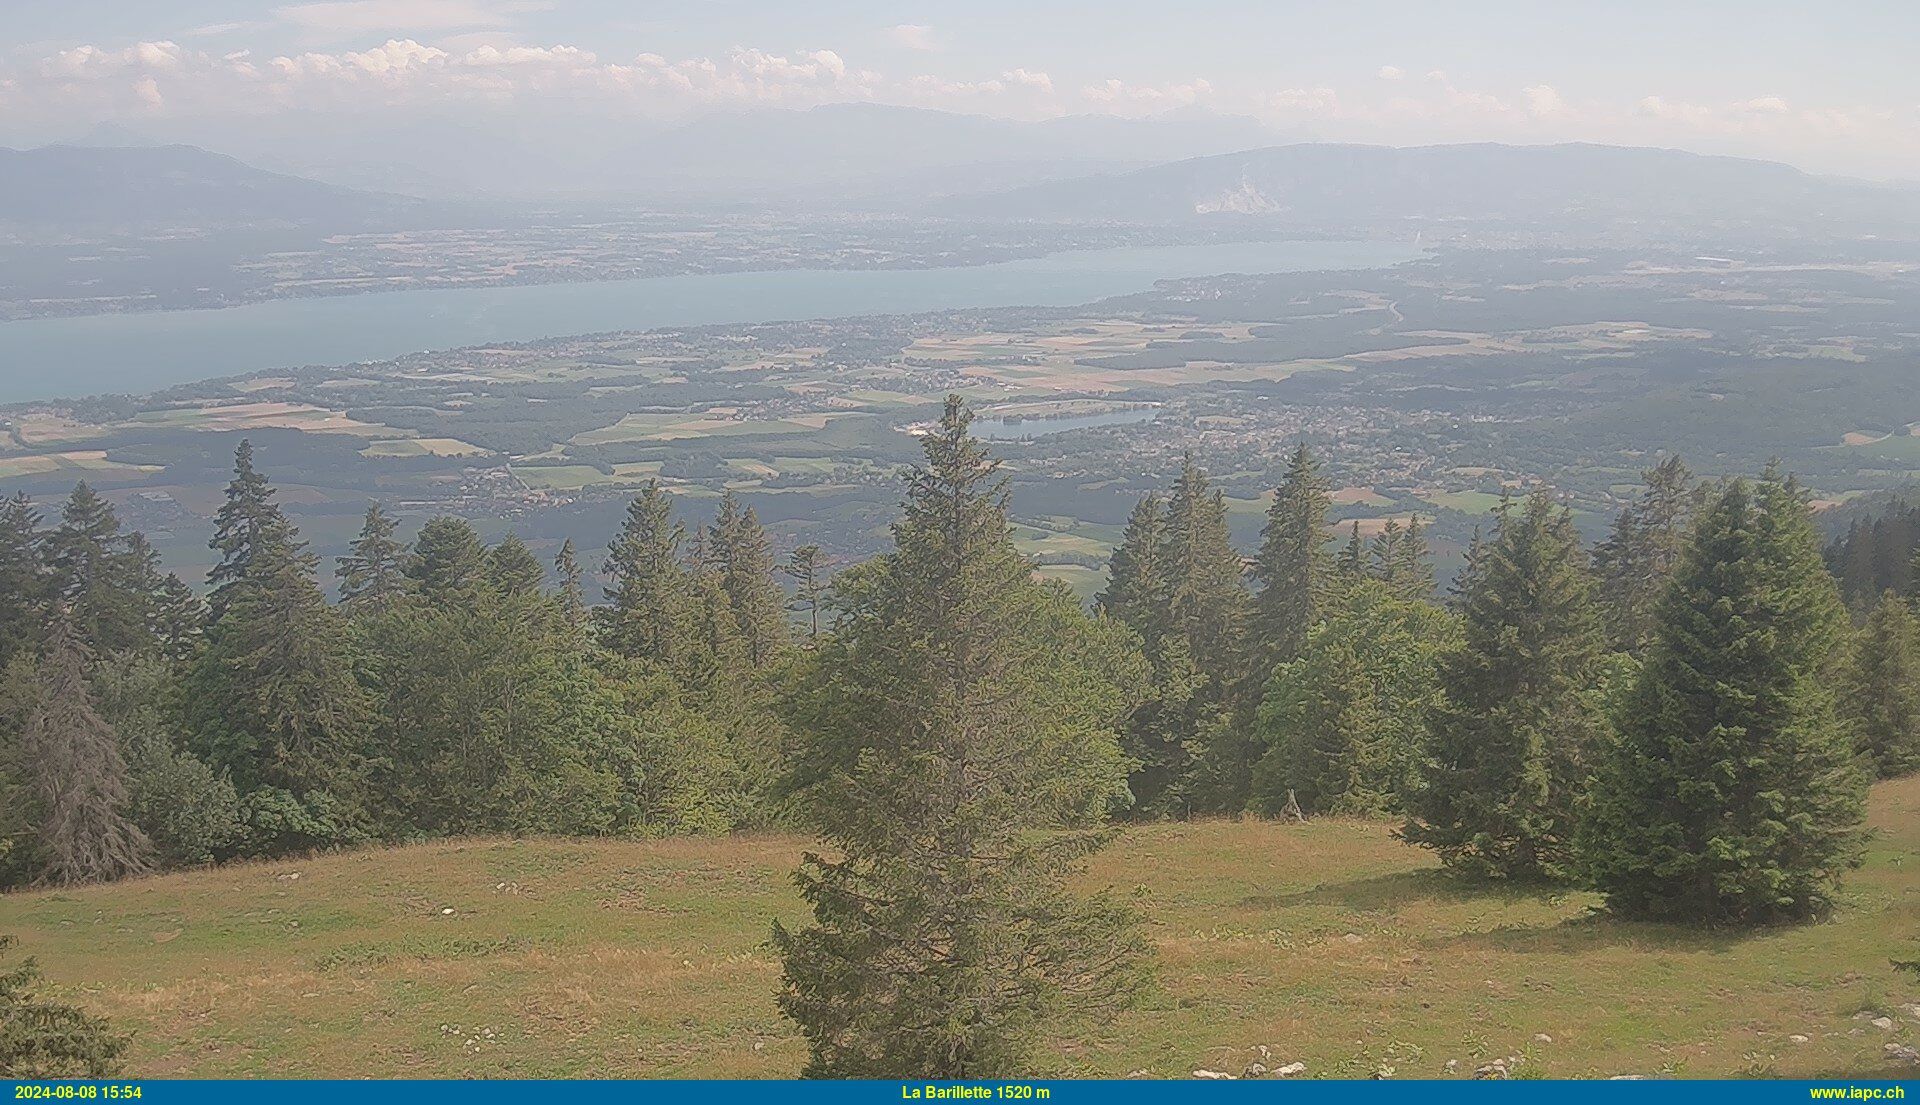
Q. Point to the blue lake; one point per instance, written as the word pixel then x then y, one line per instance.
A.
pixel 43 358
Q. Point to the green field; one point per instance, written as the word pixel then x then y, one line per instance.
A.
pixel 1467 502
pixel 1329 944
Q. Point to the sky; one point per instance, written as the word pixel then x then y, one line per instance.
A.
pixel 1831 88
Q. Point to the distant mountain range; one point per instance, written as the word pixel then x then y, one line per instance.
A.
pixel 1567 186
pixel 146 186
pixel 856 153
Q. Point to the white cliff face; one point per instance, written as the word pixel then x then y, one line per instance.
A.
pixel 1246 199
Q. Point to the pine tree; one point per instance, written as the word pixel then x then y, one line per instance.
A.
pixel 1732 793
pixel 448 563
pixel 1634 562
pixel 42 1039
pixel 100 575
pixel 24 584
pixel 1207 602
pixel 809 584
pixel 960 760
pixel 1342 723
pixel 238 527
pixel 272 697
pixel 79 776
pixel 573 588
pixel 179 619
pixel 743 554
pixel 649 606
pixel 1351 565
pixel 1137 578
pixel 1294 567
pixel 1882 689
pixel 373 573
pixel 512 569
pixel 1504 749
pixel 1410 569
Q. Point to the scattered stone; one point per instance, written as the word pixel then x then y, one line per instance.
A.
pixel 1627 1078
pixel 1901 1053
pixel 1385 1072
pixel 1254 1070
pixel 1290 1070
pixel 1798 1039
pixel 1884 1024
pixel 1141 1073
pixel 1213 1075
pixel 290 876
pixel 1493 1071
pixel 1353 938
pixel 1452 1065
pixel 1542 1038
pixel 1912 1009
pixel 446 911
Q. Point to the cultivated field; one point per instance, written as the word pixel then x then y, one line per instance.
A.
pixel 1328 944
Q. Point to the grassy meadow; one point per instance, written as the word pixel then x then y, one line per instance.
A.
pixel 1329 943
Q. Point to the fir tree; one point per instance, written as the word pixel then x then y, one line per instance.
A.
pixel 272 697
pixel 179 618
pixel 743 554
pixel 100 576
pixel 1294 566
pixel 1882 697
pixel 42 1039
pixel 1732 793
pixel 809 584
pixel 1137 578
pixel 1350 566
pixel 373 573
pixel 1342 723
pixel 960 760
pixel 573 588
pixel 1207 603
pixel 24 583
pixel 79 776
pixel 448 563
pixel 512 569
pixel 239 526
pixel 649 606
pixel 1505 746
pixel 1634 562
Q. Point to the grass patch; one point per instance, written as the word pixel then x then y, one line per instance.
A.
pixel 1329 943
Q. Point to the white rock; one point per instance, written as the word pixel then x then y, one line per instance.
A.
pixel 1901 1053
pixel 1884 1024
pixel 1213 1075
pixel 1453 1065
pixel 1542 1038
pixel 1353 938
pixel 1798 1039
pixel 1255 1070
pixel 446 911
pixel 1290 1070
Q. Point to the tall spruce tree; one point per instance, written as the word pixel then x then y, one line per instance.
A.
pixel 807 569
pixel 650 605
pixel 25 587
pixel 179 619
pixel 1137 577
pixel 1732 793
pixel 1207 600
pixel 573 587
pixel 1882 698
pixel 1294 567
pixel 513 570
pixel 1635 561
pixel 239 526
pixel 740 550
pixel 79 775
pixel 373 573
pixel 1505 747
pixel 101 576
pixel 960 758
pixel 272 697
pixel 448 564
pixel 1341 724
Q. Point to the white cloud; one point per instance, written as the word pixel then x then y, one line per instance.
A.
pixel 913 36
pixel 1542 100
pixel 1390 73
pixel 1122 97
